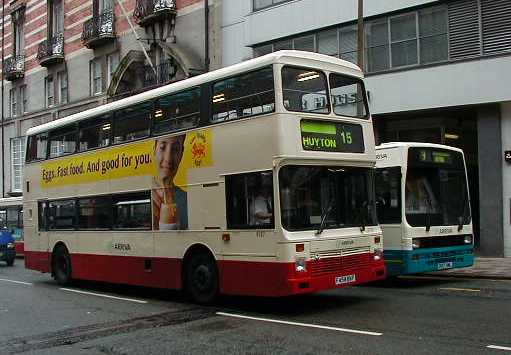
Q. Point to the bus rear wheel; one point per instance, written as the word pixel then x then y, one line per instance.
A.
pixel 201 278
pixel 61 265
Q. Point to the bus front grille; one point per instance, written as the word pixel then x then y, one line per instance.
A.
pixel 340 263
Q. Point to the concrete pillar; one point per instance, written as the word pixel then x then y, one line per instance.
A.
pixel 506 176
pixel 490 155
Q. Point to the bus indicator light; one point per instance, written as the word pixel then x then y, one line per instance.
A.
pixel 300 248
pixel 226 237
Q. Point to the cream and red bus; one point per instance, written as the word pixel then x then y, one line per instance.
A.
pixel 255 179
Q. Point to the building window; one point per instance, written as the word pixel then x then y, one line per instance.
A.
pixel 23 99
pixel 403 39
pixel 96 77
pixel 13 102
pixel 112 64
pixel 328 43
pixel 57 17
pixel 63 87
pixel 262 4
pixel 50 91
pixel 18 19
pixel 17 161
pixel 413 38
pixel 433 42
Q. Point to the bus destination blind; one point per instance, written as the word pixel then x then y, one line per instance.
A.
pixel 332 136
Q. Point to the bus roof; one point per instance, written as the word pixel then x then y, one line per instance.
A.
pixel 415 144
pixel 292 57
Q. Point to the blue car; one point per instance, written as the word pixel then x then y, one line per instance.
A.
pixel 7 250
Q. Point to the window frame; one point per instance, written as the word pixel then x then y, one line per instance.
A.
pixel 229 209
pixel 397 171
pixel 327 93
pixel 60 75
pixel 49 88
pixel 51 134
pixel 109 199
pixel 88 123
pixel 96 63
pixel 199 112
pixel 115 121
pixel 210 97
pixel 416 39
pixel 360 81
pixel 273 4
pixel 35 136
pixel 21 158
pixel 13 102
pixel 75 216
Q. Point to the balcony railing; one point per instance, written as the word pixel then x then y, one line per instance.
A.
pixel 148 12
pixel 99 29
pixel 14 67
pixel 51 51
pixel 165 72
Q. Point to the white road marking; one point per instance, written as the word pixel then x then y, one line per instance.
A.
pixel 103 295
pixel 499 347
pixel 459 289
pixel 17 282
pixel 299 324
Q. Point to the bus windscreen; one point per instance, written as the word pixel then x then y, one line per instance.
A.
pixel 323 197
pixel 436 188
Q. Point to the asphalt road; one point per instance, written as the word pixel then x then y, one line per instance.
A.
pixel 413 315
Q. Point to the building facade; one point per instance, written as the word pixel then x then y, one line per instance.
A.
pixel 64 56
pixel 437 71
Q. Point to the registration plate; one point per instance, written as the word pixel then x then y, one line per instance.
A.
pixel 446 265
pixel 341 280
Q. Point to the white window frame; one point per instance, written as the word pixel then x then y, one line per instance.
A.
pixel 17 147
pixel 60 76
pixel 95 79
pixel 23 99
pixel 49 88
pixel 13 102
pixel 111 70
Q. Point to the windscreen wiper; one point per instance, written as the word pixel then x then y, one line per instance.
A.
pixel 324 216
pixel 362 214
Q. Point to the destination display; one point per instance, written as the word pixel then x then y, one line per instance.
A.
pixel 434 157
pixel 332 136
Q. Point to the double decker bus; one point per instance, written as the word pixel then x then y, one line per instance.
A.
pixel 11 219
pixel 423 207
pixel 254 179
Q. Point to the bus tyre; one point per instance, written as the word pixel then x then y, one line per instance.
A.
pixel 10 262
pixel 201 278
pixel 61 266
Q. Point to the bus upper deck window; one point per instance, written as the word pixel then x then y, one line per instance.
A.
pixel 37 147
pixel 348 96
pixel 132 122
pixel 305 90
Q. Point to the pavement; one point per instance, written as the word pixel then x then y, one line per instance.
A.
pixel 488 268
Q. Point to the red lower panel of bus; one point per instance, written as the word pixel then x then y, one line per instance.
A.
pixel 20 248
pixel 236 277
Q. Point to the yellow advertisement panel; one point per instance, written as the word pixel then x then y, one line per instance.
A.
pixel 167 159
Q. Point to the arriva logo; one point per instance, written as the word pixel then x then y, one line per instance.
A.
pixel 445 230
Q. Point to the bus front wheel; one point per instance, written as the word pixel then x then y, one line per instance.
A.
pixel 61 265
pixel 201 278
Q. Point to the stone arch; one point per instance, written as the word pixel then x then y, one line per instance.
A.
pixel 126 78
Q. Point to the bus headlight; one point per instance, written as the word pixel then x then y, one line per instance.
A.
pixel 468 239
pixel 416 243
pixel 10 245
pixel 301 265
pixel 378 254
